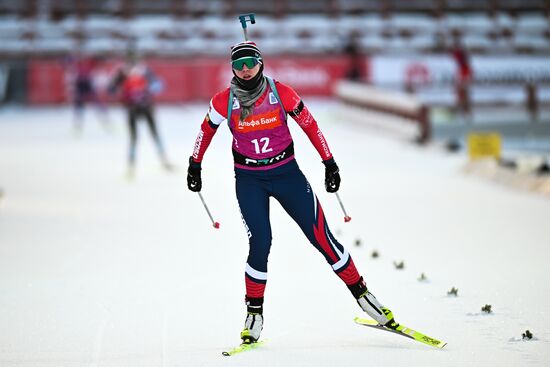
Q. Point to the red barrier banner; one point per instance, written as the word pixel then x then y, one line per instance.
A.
pixel 45 82
pixel 189 79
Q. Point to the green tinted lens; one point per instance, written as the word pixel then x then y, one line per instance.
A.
pixel 238 64
pixel 250 62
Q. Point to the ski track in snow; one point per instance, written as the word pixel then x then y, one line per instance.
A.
pixel 97 270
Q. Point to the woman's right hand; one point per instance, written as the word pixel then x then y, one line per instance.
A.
pixel 332 175
pixel 194 181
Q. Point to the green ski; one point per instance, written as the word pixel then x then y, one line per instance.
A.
pixel 404 331
pixel 243 347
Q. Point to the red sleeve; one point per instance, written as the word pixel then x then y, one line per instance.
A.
pixel 212 120
pixel 295 107
pixel 289 97
pixel 203 140
pixel 218 106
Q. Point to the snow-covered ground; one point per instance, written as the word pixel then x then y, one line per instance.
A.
pixel 97 270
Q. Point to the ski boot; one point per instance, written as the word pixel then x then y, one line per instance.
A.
pixel 254 322
pixel 368 302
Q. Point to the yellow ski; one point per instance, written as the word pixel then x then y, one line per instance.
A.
pixel 242 348
pixel 404 331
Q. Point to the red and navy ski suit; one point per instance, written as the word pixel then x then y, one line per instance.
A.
pixel 138 84
pixel 265 167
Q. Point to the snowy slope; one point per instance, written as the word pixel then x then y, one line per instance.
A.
pixel 96 270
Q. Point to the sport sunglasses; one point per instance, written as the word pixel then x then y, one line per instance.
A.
pixel 249 61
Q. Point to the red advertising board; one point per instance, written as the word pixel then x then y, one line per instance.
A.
pixel 45 81
pixel 193 79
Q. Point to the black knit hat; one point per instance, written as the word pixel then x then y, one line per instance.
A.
pixel 245 49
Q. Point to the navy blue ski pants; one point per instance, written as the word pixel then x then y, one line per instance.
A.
pixel 288 185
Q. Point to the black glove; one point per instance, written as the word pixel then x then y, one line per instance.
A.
pixel 332 177
pixel 194 182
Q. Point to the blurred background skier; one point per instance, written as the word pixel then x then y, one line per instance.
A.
pixel 463 77
pixel 80 78
pixel 138 85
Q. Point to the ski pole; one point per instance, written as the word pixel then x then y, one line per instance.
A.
pixel 243 19
pixel 214 223
pixel 347 218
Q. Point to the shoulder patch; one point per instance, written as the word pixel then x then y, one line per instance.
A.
pixel 236 104
pixel 272 98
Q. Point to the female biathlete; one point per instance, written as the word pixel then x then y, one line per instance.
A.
pixel 256 107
